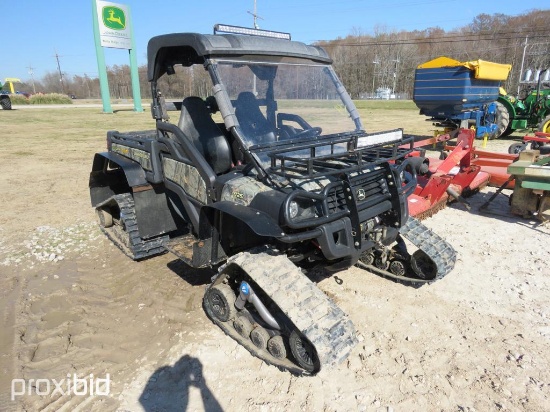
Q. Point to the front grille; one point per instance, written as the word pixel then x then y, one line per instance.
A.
pixel 369 189
pixel 336 200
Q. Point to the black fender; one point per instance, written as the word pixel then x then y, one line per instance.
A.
pixel 259 223
pixel 152 212
pixel 105 182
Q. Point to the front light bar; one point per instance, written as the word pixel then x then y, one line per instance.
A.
pixel 378 138
pixel 225 28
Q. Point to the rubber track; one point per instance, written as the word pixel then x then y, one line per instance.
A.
pixel 437 248
pixel 324 324
pixel 129 241
pixel 441 252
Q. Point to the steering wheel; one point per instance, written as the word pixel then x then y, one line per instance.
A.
pixel 314 132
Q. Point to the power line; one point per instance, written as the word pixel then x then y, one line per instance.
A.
pixel 417 41
pixel 520 27
pixel 535 32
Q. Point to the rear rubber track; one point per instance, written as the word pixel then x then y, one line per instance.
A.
pixel 125 233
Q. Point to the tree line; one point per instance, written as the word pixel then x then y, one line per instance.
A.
pixel 388 59
pixel 365 62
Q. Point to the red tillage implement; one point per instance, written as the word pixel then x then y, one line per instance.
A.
pixel 447 179
pixel 496 165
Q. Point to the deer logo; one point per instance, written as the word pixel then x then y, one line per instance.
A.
pixel 114 18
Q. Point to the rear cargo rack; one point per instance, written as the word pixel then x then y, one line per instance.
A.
pixel 353 160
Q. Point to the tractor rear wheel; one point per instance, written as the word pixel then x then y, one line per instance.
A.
pixel 507 132
pixel 502 120
pixel 5 102
pixel 544 125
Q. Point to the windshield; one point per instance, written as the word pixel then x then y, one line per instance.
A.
pixel 277 102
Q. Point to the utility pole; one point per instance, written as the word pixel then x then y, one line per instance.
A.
pixel 31 72
pixel 522 60
pixel 396 60
pixel 375 62
pixel 60 73
pixel 255 15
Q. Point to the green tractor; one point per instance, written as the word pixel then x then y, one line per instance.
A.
pixel 5 101
pixel 530 111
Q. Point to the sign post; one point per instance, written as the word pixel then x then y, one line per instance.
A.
pixel 113 28
pixel 134 74
pixel 101 68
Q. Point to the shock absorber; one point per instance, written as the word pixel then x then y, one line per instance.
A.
pixel 246 294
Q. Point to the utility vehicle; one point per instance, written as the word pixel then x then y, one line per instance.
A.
pixel 268 177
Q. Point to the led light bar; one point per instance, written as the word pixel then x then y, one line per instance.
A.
pixel 372 139
pixel 225 28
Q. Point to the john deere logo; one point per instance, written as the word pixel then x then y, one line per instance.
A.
pixel 114 18
pixel 361 194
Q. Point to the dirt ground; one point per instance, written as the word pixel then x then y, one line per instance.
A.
pixel 73 305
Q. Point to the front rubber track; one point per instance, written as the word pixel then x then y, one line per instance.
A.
pixel 299 304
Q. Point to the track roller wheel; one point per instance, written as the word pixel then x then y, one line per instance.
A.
pixel 367 258
pixel 381 264
pixel 220 300
pixel 276 347
pixel 397 267
pixel 423 266
pixel 243 326
pixel 303 352
pixel 259 337
pixel 105 217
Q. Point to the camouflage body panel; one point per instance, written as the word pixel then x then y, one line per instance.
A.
pixel 312 185
pixel 140 156
pixel 187 177
pixel 242 190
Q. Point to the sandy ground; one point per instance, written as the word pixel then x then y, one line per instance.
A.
pixel 72 304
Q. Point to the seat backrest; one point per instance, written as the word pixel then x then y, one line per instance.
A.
pixel 197 124
pixel 252 120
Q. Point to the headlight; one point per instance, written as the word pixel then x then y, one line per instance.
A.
pixel 300 210
pixel 293 209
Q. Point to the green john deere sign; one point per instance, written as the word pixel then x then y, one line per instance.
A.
pixel 114 18
pixel 114 25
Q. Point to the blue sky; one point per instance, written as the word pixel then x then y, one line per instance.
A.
pixel 35 30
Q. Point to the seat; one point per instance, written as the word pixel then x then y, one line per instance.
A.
pixel 197 124
pixel 252 121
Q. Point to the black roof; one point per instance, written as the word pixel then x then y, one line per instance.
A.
pixel 192 48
